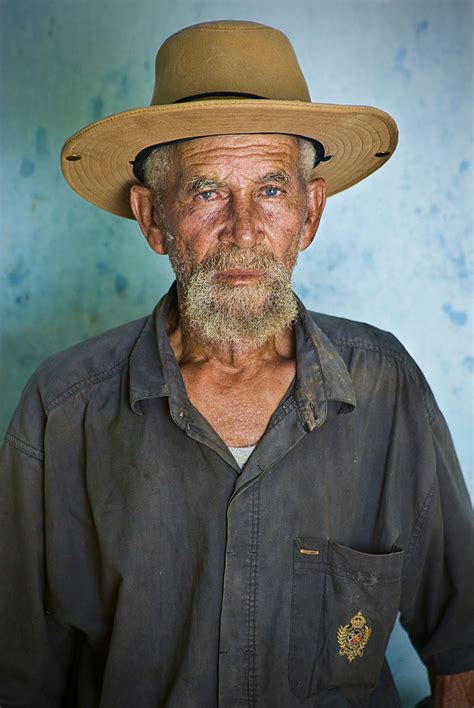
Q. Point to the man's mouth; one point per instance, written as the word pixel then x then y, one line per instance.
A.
pixel 239 275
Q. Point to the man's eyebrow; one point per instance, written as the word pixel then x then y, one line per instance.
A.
pixel 195 184
pixel 280 177
pixel 200 182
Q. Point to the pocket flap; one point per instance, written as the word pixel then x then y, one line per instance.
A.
pixel 365 567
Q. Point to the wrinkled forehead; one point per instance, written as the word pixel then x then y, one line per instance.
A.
pixel 237 149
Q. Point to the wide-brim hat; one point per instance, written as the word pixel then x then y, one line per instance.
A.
pixel 224 78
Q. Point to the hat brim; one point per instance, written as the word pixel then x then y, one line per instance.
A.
pixel 97 160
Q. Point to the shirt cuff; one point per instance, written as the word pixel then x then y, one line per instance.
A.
pixel 451 661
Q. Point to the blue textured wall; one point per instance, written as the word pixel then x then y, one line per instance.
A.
pixel 394 250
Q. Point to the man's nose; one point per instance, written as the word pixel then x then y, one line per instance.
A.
pixel 244 230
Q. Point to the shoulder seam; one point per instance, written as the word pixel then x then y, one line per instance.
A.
pixel 375 348
pixel 419 523
pixel 24 447
pixel 100 375
pixel 435 412
pixel 430 410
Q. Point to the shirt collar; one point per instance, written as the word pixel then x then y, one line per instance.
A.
pixel 323 383
pixel 146 367
pixel 154 371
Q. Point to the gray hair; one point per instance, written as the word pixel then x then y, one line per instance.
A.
pixel 157 164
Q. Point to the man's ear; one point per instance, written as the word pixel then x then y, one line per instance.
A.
pixel 316 201
pixel 142 202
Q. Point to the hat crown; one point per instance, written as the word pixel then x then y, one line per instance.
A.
pixel 228 57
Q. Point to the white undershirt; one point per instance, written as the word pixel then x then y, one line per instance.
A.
pixel 242 454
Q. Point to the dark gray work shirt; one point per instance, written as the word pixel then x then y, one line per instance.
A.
pixel 140 568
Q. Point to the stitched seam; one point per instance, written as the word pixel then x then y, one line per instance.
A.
pixel 83 383
pixel 397 357
pixel 415 535
pixel 23 447
pixel 430 414
pixel 373 347
pixel 322 377
pixel 450 650
pixel 203 436
pixel 365 579
pixel 300 404
pixel 252 677
pixel 283 413
pixel 436 414
pixel 333 570
pixel 209 104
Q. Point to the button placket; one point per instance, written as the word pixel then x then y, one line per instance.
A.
pixel 237 650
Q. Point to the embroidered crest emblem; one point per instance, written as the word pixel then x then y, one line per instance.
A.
pixel 352 638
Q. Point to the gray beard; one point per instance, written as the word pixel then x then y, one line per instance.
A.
pixel 236 316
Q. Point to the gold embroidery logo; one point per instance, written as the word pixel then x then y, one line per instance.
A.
pixel 352 638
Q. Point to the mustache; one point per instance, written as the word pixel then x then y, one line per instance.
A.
pixel 240 258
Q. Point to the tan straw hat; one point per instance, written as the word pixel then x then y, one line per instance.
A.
pixel 223 78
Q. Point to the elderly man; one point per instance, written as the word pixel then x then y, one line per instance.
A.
pixel 227 503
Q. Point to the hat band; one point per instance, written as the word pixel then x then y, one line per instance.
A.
pixel 139 161
pixel 218 94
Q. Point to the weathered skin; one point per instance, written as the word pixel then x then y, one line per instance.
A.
pixel 242 203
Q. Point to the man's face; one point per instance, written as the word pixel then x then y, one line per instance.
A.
pixel 239 193
pixel 234 215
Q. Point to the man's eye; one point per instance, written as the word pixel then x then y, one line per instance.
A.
pixel 271 191
pixel 207 195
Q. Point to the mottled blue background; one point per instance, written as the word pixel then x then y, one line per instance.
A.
pixel 395 250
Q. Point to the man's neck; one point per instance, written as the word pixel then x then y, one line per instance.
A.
pixel 190 349
pixel 235 390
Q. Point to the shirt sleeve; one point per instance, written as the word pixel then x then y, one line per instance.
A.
pixel 437 603
pixel 35 650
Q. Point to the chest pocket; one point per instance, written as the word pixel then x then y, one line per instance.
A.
pixel 344 606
